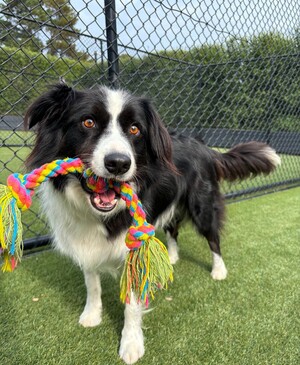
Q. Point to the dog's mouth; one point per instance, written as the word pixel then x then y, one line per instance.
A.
pixel 104 202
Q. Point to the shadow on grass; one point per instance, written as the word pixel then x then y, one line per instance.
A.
pixel 66 279
pixel 186 256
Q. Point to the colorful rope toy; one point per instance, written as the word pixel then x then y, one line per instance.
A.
pixel 147 266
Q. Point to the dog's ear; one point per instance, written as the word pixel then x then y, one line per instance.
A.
pixel 49 105
pixel 47 113
pixel 159 138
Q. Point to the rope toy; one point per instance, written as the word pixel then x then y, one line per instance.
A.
pixel 147 267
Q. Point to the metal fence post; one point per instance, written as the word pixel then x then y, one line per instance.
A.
pixel 112 44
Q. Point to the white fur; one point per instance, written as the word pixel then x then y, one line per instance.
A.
pixel 162 221
pixel 219 271
pixel 115 100
pixel 92 314
pixel 272 156
pixel 132 342
pixel 172 249
pixel 114 140
pixel 79 234
pixel 165 217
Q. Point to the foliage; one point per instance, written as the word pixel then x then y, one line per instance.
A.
pixel 26 74
pixel 63 32
pixel 245 84
pixel 23 26
pixel 16 32
pixel 250 83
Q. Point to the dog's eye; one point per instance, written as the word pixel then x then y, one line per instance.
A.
pixel 88 123
pixel 134 130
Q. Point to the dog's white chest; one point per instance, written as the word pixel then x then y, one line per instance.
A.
pixel 78 233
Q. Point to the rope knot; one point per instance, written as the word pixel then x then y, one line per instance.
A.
pixel 137 235
pixel 16 184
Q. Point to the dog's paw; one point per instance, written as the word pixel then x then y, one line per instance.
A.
pixel 219 273
pixel 172 249
pixel 132 346
pixel 173 254
pixel 90 318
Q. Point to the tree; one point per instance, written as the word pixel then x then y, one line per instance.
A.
pixel 27 23
pixel 63 33
pixel 20 24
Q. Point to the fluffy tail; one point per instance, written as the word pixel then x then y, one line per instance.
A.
pixel 245 160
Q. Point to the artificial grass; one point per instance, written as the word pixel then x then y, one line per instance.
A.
pixel 250 318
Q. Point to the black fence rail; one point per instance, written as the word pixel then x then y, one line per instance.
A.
pixel 225 71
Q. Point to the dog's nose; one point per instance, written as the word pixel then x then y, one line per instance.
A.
pixel 117 163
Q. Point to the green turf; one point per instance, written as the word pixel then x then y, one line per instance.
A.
pixel 250 318
pixel 22 137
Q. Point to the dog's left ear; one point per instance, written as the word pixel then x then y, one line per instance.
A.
pixel 159 138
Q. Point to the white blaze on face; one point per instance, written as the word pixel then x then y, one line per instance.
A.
pixel 114 140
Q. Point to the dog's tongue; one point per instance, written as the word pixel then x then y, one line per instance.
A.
pixel 108 196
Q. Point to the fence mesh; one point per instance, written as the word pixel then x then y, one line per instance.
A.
pixel 227 71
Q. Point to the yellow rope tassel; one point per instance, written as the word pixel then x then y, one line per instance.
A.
pixel 11 230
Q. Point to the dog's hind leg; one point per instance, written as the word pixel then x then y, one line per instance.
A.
pixel 219 271
pixel 208 217
pixel 92 314
pixel 171 231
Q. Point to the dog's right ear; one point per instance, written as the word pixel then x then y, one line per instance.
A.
pixel 49 105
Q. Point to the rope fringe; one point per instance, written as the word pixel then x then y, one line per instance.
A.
pixel 147 266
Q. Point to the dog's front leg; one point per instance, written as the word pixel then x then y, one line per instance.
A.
pixel 92 314
pixel 132 341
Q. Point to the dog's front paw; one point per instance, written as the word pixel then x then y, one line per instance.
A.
pixel 132 346
pixel 219 273
pixel 90 318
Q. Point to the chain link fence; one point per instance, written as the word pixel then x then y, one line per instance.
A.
pixel 227 71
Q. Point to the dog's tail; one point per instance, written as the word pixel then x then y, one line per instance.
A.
pixel 245 160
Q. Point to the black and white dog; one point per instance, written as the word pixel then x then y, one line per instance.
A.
pixel 121 136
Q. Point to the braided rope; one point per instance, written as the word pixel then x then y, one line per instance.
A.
pixel 147 265
pixel 141 230
pixel 21 186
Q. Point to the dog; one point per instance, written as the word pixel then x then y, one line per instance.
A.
pixel 121 136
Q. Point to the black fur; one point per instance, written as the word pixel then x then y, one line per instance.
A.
pixel 171 170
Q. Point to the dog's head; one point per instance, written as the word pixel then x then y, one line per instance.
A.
pixel 113 132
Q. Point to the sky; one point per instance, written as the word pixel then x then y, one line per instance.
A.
pixel 153 25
